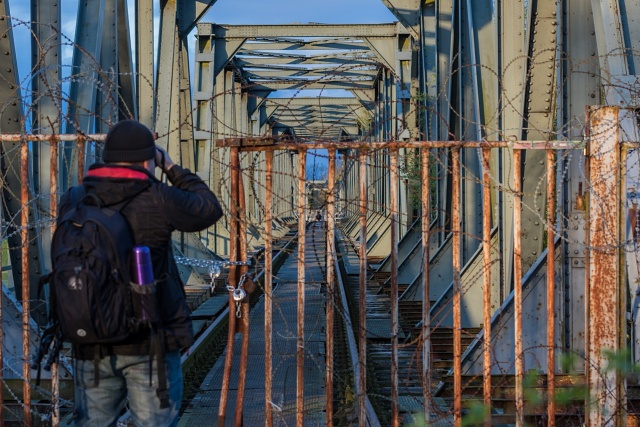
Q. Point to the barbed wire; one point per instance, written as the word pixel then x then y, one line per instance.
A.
pixel 454 123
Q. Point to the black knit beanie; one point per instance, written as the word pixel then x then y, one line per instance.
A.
pixel 128 141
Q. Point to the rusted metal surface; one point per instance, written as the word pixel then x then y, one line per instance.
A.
pixel 457 286
pixel 426 298
pixel 53 206
pixel 362 306
pixel 331 286
pixel 46 137
pixel 268 291
pixel 232 279
pixel 24 198
pixel 517 284
pixel 395 416
pixel 243 325
pixel 81 146
pixel 551 300
pixel 604 292
pixel 606 302
pixel 587 273
pixel 302 223
pixel 486 280
pixel 270 143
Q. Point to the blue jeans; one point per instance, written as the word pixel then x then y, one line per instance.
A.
pixel 124 377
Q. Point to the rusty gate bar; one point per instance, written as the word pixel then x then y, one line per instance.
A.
pixel 53 207
pixel 606 300
pixel 587 260
pixel 270 143
pixel 331 291
pixel 551 300
pixel 24 199
pixel 268 291
pixel 599 260
pixel 486 312
pixel 456 242
pixel 232 279
pixel 302 223
pixel 517 284
pixel 243 325
pixel 393 153
pixel 81 143
pixel 362 306
pixel 426 298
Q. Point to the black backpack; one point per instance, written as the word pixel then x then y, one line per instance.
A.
pixel 90 282
pixel 92 298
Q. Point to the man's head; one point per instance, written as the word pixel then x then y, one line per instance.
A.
pixel 129 141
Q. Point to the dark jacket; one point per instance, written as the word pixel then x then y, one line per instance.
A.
pixel 154 211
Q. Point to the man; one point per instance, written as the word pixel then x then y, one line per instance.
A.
pixel 154 210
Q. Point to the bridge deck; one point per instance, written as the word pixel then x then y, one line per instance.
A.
pixel 203 409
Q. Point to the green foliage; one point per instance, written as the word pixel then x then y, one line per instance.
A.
pixel 410 169
pixel 475 414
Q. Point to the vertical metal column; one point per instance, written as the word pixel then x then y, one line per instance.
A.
pixel 243 325
pixel 551 301
pixel 26 315
pixel 457 285
pixel 302 224
pixel 426 298
pixel 393 153
pixel 486 253
pixel 53 206
pixel 80 146
pixel 362 316
pixel 144 61
pixel 606 304
pixel 233 281
pixel 331 284
pixel 268 291
pixel 517 284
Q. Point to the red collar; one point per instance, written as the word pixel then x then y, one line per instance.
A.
pixel 117 172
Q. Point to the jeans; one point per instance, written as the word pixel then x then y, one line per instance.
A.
pixel 124 377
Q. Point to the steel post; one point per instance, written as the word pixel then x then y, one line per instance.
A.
pixel 362 316
pixel 486 275
pixel 268 292
pixel 331 286
pixel 395 416
pixel 517 284
pixel 426 298
pixel 302 224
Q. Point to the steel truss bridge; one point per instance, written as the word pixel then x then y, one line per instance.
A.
pixel 481 162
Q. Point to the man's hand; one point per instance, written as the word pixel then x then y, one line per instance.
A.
pixel 163 161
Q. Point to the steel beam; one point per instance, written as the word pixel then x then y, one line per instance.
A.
pixel 144 42
pixel 606 304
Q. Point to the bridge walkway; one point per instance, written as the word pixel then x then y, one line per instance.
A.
pixel 203 409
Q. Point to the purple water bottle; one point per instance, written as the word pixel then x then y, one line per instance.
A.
pixel 143 277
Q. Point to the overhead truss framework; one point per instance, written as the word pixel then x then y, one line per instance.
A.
pixel 322 58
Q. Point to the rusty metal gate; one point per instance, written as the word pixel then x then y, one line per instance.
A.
pixel 605 150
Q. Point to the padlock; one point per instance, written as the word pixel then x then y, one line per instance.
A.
pixel 214 271
pixel 238 294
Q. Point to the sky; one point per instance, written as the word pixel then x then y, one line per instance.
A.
pixel 299 11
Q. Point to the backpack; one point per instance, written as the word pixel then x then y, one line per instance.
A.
pixel 90 283
pixel 92 298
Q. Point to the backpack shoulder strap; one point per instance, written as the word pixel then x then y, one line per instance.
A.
pixel 76 194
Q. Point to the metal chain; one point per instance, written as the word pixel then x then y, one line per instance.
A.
pixel 194 262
